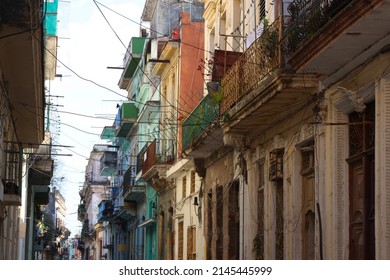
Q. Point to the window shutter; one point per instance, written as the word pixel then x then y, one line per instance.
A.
pixel 180 242
pixel 189 243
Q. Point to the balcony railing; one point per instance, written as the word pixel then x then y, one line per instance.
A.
pixel 131 60
pixel 108 162
pixel 278 44
pixel 81 213
pixel 125 212
pixel 307 18
pixel 126 117
pixel 151 158
pixel 105 210
pixel 133 55
pixel 108 133
pixel 13 169
pixel 201 117
pixel 129 177
pixel 131 190
pixel 261 59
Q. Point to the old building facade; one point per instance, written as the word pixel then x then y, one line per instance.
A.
pixel 25 144
pixel 269 140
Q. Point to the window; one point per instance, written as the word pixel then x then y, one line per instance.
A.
pixel 361 163
pixel 276 164
pixel 234 221
pixel 259 241
pixel 222 31
pixel 209 218
pixel 308 202
pixel 184 187
pixel 180 241
pixel 219 234
pixel 192 181
pixel 276 175
pixel 191 243
pixel 279 231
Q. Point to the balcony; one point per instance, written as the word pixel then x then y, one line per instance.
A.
pixel 202 134
pixel 131 60
pixel 105 211
pixel 126 212
pixel 108 133
pixel 155 166
pixel 258 90
pixel 331 38
pixel 125 119
pixel 201 130
pixel 108 162
pixel 41 194
pixel 41 170
pixel 11 184
pixel 132 191
pixel 260 60
pixel 86 231
pixel 81 213
pixel 115 190
pixel 12 193
pixel 51 39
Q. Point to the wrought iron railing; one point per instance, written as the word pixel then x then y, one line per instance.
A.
pixel 201 117
pixel 255 64
pixel 105 210
pixel 129 177
pixel 109 158
pixel 13 168
pixel 277 43
pixel 307 18
pixel 81 212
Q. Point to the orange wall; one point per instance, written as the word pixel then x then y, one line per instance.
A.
pixel 191 79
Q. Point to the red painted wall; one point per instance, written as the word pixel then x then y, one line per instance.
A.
pixel 191 79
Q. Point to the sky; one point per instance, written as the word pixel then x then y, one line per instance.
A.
pixel 86 47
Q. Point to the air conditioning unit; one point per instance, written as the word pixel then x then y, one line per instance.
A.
pixel 276 164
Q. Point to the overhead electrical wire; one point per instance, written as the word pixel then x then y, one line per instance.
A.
pixel 147 27
pixel 104 87
pixel 138 66
pixel 88 80
pixel 175 108
pixel 101 86
pixel 98 117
